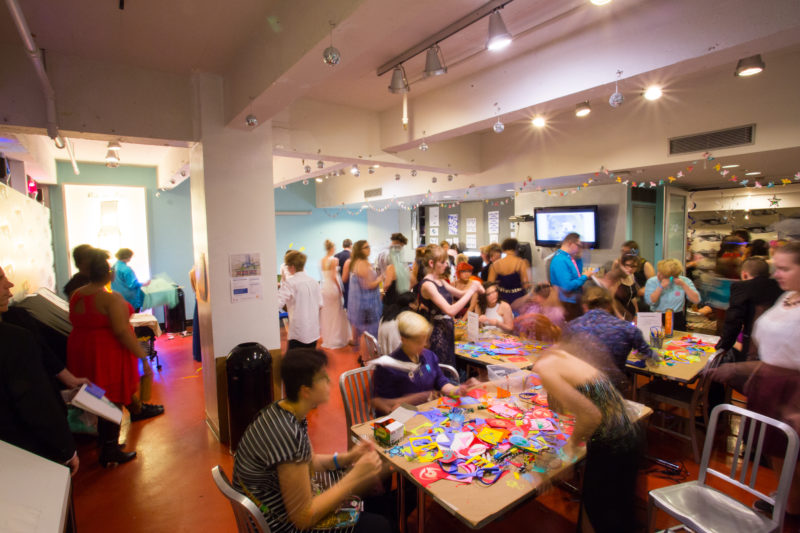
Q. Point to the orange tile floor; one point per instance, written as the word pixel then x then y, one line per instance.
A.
pixel 168 487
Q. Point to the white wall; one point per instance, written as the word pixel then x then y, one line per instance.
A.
pixel 380 227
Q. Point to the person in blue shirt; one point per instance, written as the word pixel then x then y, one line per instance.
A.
pixel 669 290
pixel 125 281
pixel 566 273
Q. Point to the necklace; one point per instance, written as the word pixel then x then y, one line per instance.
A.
pixel 792 300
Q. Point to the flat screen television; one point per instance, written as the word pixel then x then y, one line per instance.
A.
pixel 552 224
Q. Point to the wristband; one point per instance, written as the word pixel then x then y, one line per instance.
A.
pixel 336 462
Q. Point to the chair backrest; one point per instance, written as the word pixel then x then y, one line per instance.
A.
pixel 450 373
pixel 249 518
pixel 356 388
pixel 369 347
pixel 744 468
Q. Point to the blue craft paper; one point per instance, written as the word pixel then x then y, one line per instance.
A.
pixel 468 400
pixel 434 415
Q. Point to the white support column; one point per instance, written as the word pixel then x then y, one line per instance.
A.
pixel 232 212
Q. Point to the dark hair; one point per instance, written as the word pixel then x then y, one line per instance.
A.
pixel 743 234
pixel 729 244
pixel 97 266
pixel 627 258
pixel 402 303
pixel 791 247
pixel 759 247
pixel 597 298
pixel 571 238
pixel 510 244
pixel 483 300
pixel 298 368
pixel 124 253
pixel 756 267
pixel 615 274
pixel 631 245
pixel 399 237
pixel 347 243
pixel 80 254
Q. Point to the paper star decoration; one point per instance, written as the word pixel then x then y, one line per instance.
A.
pixel 774 201
pixel 786 181
pixel 680 174
pixel 619 180
pixel 724 172
pixel 671 179
pixel 797 176
pixel 717 167
pixel 758 185
pixel 745 182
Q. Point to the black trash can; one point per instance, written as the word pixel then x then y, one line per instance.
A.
pixel 175 318
pixel 249 369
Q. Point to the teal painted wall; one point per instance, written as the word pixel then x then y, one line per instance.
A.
pixel 169 222
pixel 310 231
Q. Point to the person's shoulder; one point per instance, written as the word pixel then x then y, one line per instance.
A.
pixel 12 331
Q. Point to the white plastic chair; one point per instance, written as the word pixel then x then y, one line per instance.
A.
pixel 249 518
pixel 703 508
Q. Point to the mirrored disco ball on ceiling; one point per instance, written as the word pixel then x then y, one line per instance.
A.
pixel 331 56
pixel 616 99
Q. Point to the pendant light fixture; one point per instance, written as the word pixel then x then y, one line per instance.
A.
pixel 499 37
pixel 750 66
pixel 583 109
pixel 399 83
pixel 331 55
pixel 434 62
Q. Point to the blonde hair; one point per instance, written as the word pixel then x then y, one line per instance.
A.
pixel 328 244
pixel 435 253
pixel 411 324
pixel 669 267
pixel 461 258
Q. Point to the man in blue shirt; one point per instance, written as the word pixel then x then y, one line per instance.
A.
pixel 566 273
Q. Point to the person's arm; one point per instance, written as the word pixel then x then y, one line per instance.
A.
pixel 68 378
pixel 384 406
pixel 128 277
pixel 641 346
pixel 523 273
pixel 473 303
pixel 324 462
pixel 734 316
pixel 506 322
pixel 306 510
pixel 564 275
pixel 587 415
pixel 285 294
pixel 649 271
pixel 346 271
pixel 388 276
pixel 429 291
pixel 653 290
pixel 363 270
pixel 688 287
pixel 121 327
pixel 492 276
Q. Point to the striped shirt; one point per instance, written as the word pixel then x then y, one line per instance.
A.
pixel 273 438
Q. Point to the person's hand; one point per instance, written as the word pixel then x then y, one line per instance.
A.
pixel 483 319
pixel 680 283
pixel 589 272
pixel 665 283
pixel 73 463
pixel 365 469
pixel 363 447
pixel 148 370
pixel 146 283
pixel 477 287
pixel 465 387
pixel 73 382
pixel 569 451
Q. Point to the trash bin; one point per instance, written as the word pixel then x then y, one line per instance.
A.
pixel 175 318
pixel 249 369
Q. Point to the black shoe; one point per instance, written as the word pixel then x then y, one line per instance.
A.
pixel 113 456
pixel 149 410
pixel 763 506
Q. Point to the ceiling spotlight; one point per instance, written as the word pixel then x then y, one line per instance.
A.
pixel 399 83
pixel 433 179
pixel 539 121
pixel 320 164
pixel 449 177
pixel 601 2
pixel 307 168
pixel 114 146
pixel 750 66
pixel 423 146
pixel 653 92
pixel 251 121
pixel 331 55
pixel 414 173
pixel 434 62
pixel 498 126
pixel 112 159
pixel 305 182
pixel 341 172
pixel 397 177
pixel 499 37
pixel 354 170
pixel 318 179
pixel 371 170
pixel 582 109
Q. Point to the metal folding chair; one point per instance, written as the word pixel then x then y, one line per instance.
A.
pixel 450 373
pixel 703 508
pixel 356 388
pixel 368 348
pixel 249 518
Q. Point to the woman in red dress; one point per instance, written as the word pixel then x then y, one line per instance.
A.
pixel 103 347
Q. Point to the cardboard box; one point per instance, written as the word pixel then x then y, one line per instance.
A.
pixel 388 431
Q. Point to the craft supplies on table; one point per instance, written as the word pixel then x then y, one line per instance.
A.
pixel 500 349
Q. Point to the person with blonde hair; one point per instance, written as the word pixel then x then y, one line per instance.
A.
pixel 395 386
pixel 334 326
pixel 669 290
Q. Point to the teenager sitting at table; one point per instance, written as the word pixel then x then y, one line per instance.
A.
pixel 613 440
pixel 388 334
pixel 395 386
pixel 669 289
pixel 537 327
pixel 543 300
pixel 494 313
pixel 274 458
pixel 611 334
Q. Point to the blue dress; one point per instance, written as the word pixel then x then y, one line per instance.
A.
pixel 443 338
pixel 126 283
pixel 363 306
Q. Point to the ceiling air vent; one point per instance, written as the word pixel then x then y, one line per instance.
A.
pixel 713 139
pixel 372 193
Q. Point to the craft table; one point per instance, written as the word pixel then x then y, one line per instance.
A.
pixel 475 353
pixel 683 372
pixel 146 320
pixel 474 504
pixel 34 492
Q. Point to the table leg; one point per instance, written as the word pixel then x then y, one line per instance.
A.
pixel 420 510
pixel 401 513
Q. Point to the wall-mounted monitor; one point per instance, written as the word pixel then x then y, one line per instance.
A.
pixel 554 223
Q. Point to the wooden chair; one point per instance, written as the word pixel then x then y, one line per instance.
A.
pixel 703 508
pixel 368 348
pixel 356 388
pixel 673 393
pixel 249 518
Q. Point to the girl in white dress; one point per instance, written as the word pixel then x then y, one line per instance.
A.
pixel 333 319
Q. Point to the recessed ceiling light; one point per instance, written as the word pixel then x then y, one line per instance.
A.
pixel 539 121
pixel 653 92
pixel 601 2
pixel 730 166
pixel 753 173
pixel 318 179
pixel 582 109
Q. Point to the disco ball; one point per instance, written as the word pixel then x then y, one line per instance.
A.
pixel 307 168
pixel 616 99
pixel 433 179
pixel 251 121
pixel 331 56
pixel 498 127
pixel 413 173
pixel 423 146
